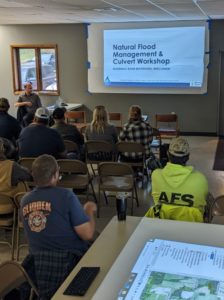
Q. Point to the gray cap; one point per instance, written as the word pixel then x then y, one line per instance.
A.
pixel 42 113
pixel 179 147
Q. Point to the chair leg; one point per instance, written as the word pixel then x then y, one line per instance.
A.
pixel 98 203
pixel 136 195
pixel 105 196
pixel 132 202
pixel 94 194
pixel 13 233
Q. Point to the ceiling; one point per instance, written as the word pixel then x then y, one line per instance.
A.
pixel 95 11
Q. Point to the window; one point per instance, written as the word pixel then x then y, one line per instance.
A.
pixel 37 64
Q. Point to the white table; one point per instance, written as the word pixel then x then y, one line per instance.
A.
pixel 69 106
pixel 198 233
pixel 118 246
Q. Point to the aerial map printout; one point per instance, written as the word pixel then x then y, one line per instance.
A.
pixel 169 270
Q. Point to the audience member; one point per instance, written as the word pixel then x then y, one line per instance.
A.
pixel 67 131
pixel 12 175
pixel 29 102
pixel 9 126
pixel 100 129
pixel 38 138
pixel 136 130
pixel 57 227
pixel 177 187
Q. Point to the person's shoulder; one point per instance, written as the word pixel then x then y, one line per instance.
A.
pixel 199 174
pixel 13 119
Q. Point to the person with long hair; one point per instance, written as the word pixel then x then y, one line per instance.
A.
pixel 100 129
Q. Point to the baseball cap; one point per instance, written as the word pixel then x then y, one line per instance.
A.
pixel 42 113
pixel 179 147
pixel 59 112
pixel 4 103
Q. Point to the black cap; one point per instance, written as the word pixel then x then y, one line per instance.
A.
pixel 59 112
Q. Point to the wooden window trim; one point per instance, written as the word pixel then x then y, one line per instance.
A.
pixel 16 65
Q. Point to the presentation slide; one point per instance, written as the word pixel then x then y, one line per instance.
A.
pixel 173 270
pixel 148 57
pixel 157 57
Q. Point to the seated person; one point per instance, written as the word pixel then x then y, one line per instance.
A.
pixel 179 192
pixel 29 102
pixel 67 131
pixel 38 138
pixel 57 227
pixel 9 126
pixel 100 129
pixel 12 175
pixel 136 130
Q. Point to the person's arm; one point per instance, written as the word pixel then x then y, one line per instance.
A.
pixel 22 103
pixel 20 173
pixel 86 230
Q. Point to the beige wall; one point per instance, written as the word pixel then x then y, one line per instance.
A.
pixel 197 113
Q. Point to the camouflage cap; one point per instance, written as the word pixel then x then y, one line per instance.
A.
pixel 179 147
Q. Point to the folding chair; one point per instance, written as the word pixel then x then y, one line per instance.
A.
pixel 12 275
pixel 75 175
pixel 8 211
pixel 27 162
pixel 116 177
pixel 167 125
pixel 19 225
pixel 217 208
pixel 128 148
pixel 99 151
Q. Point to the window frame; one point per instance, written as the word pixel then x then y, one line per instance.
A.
pixel 16 66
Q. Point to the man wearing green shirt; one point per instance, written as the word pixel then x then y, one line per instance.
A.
pixel 179 191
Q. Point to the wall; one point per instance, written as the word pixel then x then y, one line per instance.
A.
pixel 197 113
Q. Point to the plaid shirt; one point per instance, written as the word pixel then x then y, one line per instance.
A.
pixel 48 269
pixel 137 131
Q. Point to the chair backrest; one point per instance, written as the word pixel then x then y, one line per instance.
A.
pixel 115 169
pixel 217 207
pixel 99 150
pixel 18 197
pixel 72 166
pixel 26 162
pixel 130 147
pixel 75 116
pixel 7 204
pixel 12 275
pixel 115 116
pixel 167 124
pixel 71 146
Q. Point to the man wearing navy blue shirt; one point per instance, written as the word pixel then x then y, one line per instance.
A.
pixel 58 228
pixel 37 138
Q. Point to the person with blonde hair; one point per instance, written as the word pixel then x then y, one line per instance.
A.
pixel 100 129
pixel 136 130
